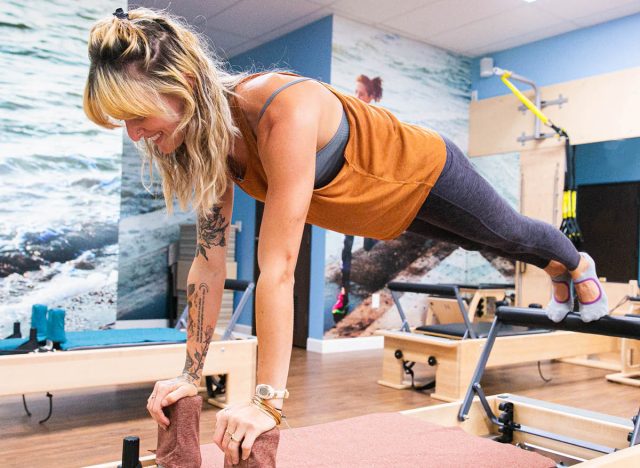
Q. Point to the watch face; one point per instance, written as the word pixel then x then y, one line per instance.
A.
pixel 264 391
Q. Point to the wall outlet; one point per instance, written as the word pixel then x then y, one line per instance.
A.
pixel 375 300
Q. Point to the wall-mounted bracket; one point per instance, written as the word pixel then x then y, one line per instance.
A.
pixel 542 136
pixel 554 102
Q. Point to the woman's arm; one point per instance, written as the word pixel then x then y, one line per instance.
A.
pixel 287 152
pixel 287 138
pixel 205 285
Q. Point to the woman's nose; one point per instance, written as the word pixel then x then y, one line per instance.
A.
pixel 133 130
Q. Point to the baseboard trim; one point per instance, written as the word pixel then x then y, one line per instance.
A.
pixel 340 345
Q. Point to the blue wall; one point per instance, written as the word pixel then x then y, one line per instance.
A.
pixel 603 48
pixel 306 51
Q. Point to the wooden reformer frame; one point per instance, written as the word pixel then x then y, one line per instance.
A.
pixel 233 358
pixel 454 358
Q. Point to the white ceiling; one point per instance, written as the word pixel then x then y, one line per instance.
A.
pixel 469 27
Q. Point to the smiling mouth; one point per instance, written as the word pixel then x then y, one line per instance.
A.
pixel 155 137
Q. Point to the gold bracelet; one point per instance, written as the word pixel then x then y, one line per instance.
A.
pixel 264 411
pixel 267 409
pixel 273 410
pixel 268 413
pixel 270 409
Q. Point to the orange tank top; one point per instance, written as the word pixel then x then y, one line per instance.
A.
pixel 389 170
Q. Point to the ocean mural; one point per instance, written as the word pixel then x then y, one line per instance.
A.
pixel 59 172
pixel 146 231
pixel 431 87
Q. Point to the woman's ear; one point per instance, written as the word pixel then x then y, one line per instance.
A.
pixel 190 79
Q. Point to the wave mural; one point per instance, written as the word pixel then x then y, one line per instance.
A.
pixel 60 173
pixel 146 231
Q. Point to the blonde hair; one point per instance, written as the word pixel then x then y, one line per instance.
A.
pixel 136 60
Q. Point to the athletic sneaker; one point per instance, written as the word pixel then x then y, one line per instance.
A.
pixel 341 308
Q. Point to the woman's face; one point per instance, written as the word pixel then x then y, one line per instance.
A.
pixel 158 130
pixel 361 93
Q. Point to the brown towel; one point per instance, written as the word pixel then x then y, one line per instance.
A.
pixel 179 445
pixel 263 453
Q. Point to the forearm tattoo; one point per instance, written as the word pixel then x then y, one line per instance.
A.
pixel 201 335
pixel 211 229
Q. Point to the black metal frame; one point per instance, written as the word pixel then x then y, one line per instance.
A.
pixel 245 286
pixel 621 327
pixel 436 290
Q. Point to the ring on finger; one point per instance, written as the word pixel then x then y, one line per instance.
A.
pixel 230 434
pixel 234 439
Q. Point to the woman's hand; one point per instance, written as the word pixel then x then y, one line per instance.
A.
pixel 167 392
pixel 240 426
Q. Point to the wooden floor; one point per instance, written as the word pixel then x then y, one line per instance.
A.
pixel 87 427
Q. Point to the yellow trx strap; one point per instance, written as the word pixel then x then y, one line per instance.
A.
pixel 569 224
pixel 530 105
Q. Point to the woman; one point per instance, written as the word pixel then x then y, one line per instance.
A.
pixel 367 90
pixel 312 154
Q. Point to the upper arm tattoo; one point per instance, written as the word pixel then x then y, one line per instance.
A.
pixel 211 229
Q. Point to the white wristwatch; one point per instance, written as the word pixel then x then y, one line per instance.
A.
pixel 267 392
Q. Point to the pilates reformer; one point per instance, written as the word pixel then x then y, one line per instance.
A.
pixel 629 372
pixel 453 348
pixel 130 356
pixel 500 430
pixel 507 422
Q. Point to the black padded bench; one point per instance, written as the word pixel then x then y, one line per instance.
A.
pixel 458 331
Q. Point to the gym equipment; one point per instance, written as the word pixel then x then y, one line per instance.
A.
pixel 179 444
pixel 569 225
pixel 380 439
pixel 453 348
pixel 132 356
pixel 505 429
pixel 507 424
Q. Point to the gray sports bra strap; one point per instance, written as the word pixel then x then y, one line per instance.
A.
pixel 275 93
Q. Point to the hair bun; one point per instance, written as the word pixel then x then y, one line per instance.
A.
pixel 121 14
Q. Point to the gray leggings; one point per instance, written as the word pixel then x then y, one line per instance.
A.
pixel 465 210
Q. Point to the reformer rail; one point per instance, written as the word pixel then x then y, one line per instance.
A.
pixel 621 327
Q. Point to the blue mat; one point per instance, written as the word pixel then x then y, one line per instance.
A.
pixel 99 338
pixel 10 344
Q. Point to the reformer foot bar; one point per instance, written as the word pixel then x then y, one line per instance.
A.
pixel 621 327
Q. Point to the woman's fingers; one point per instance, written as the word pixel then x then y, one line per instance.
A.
pixel 221 427
pixel 158 414
pixel 228 433
pixel 237 429
pixel 182 391
pixel 155 404
pixel 152 398
pixel 247 443
pixel 233 446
